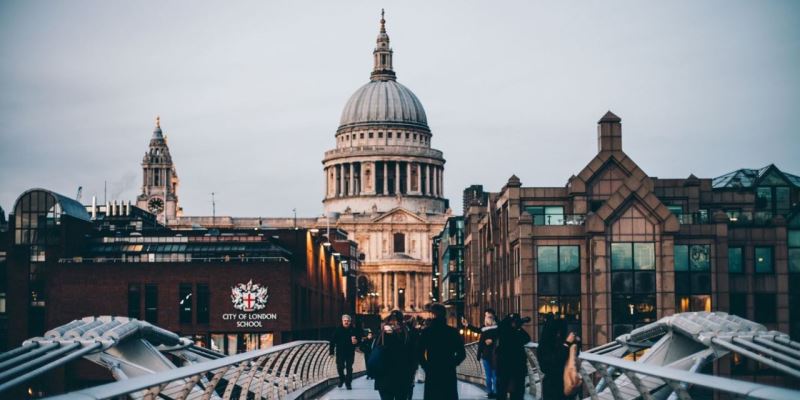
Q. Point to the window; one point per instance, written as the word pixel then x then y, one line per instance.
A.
pixel 185 303
pixel 2 303
pixel 546 215
pixel 151 303
pixel 380 135
pixel 203 301
pixel 559 284
pixel 134 300
pixel 735 260
pixel 389 135
pixel 407 135
pixel 692 278
pixel 633 286
pixel 361 135
pixel 763 260
pixel 793 243
pixel 399 243
pixel 370 135
pixel 738 302
pixel 767 308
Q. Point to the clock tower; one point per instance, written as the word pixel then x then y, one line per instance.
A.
pixel 160 181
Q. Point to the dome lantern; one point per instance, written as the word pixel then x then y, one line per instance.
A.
pixel 382 68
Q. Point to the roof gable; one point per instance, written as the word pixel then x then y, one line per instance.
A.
pixel 399 215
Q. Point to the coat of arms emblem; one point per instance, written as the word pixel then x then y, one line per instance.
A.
pixel 249 296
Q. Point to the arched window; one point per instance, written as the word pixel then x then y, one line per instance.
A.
pixel 399 243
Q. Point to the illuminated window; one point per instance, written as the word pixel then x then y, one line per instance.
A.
pixel 633 286
pixel 559 284
pixel 763 260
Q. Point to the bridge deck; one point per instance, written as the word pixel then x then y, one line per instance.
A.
pixel 365 389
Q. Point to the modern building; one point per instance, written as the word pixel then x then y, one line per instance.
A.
pixel 384 187
pixel 448 268
pixel 615 249
pixel 231 290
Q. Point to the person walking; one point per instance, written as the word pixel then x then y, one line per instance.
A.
pixel 366 348
pixel 553 353
pixel 512 362
pixel 486 349
pixel 392 361
pixel 440 352
pixel 343 343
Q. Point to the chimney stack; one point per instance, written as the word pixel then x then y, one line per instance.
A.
pixel 609 133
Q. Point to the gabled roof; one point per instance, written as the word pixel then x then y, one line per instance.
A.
pixel 399 215
pixel 747 178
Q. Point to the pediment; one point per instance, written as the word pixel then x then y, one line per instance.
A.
pixel 399 216
pixel 601 164
pixel 632 191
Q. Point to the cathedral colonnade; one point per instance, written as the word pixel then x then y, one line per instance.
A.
pixel 401 289
pixel 384 178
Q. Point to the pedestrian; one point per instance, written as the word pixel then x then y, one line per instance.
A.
pixel 343 343
pixel 486 349
pixel 512 361
pixel 393 359
pixel 366 348
pixel 552 354
pixel 440 351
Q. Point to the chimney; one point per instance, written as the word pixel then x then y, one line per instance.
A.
pixel 609 133
pixel 94 208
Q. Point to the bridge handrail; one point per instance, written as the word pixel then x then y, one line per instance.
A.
pixel 676 378
pixel 195 371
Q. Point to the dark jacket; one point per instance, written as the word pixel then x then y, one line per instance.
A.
pixel 487 351
pixel 341 343
pixel 512 359
pixel 440 351
pixel 397 355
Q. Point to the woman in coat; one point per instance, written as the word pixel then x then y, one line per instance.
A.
pixel 440 351
pixel 512 358
pixel 552 354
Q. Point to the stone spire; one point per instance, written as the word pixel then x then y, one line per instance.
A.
pixel 382 69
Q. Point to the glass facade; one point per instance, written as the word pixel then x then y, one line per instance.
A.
pixel 547 215
pixel 559 284
pixel 763 260
pixel 735 260
pixel 633 286
pixel 692 278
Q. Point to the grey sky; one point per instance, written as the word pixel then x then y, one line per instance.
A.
pixel 250 93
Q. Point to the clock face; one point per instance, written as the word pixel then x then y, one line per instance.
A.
pixel 155 205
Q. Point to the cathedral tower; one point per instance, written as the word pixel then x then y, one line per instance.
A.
pixel 160 181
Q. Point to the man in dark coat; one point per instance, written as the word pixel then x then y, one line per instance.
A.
pixel 343 343
pixel 512 359
pixel 440 352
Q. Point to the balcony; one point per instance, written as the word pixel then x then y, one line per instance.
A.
pixel 559 219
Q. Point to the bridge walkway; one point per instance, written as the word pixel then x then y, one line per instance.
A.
pixel 364 389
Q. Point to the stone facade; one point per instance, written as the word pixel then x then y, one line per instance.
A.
pixel 615 249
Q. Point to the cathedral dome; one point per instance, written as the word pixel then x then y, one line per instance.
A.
pixel 384 101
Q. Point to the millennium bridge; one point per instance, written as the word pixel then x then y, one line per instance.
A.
pixel 673 357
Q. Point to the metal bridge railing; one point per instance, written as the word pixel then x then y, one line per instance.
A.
pixel 608 377
pixel 271 373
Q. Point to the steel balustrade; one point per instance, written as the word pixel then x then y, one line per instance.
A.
pixel 262 374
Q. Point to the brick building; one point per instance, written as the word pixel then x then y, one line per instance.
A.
pixel 231 290
pixel 614 249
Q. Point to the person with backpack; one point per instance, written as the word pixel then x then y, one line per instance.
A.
pixel 392 362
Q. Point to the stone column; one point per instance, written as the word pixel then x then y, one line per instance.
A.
pixel 409 298
pixel 384 290
pixel 427 179
pixel 396 177
pixel 385 188
pixel 394 289
pixel 352 188
pixel 408 177
pixel 441 181
pixel 419 178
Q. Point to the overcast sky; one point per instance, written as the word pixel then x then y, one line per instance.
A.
pixel 250 93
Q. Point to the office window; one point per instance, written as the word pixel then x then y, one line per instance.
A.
pixel 546 215
pixel 185 303
pixel 692 278
pixel 763 260
pixel 735 260
pixel 134 300
pixel 766 306
pixel 633 300
pixel 738 302
pixel 559 284
pixel 794 251
pixel 203 301
pixel 151 303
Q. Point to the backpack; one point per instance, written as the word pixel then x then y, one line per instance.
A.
pixel 376 362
